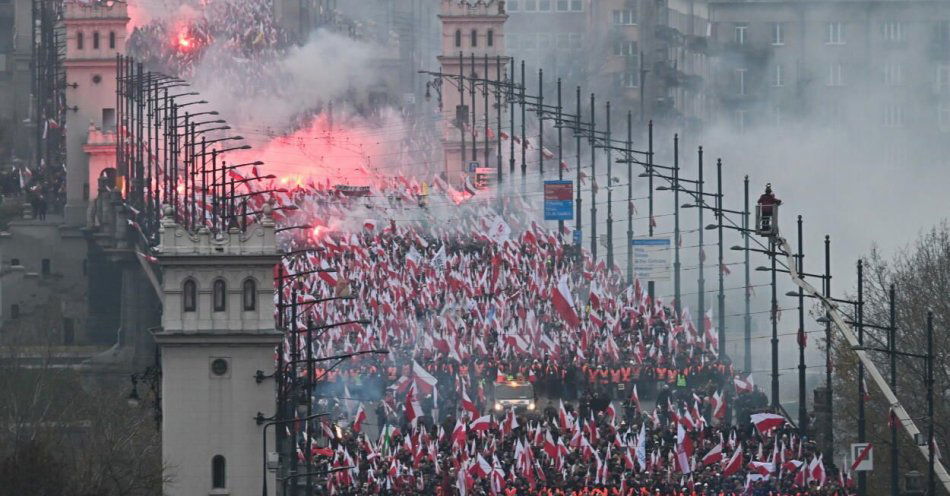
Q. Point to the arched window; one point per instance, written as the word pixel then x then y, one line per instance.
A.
pixel 217 472
pixel 189 296
pixel 219 295
pixel 79 40
pixel 112 39
pixel 458 38
pixel 474 37
pixel 491 37
pixel 95 40
pixel 250 295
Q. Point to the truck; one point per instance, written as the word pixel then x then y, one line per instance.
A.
pixel 516 395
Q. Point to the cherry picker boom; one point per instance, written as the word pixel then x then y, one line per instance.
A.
pixel 836 316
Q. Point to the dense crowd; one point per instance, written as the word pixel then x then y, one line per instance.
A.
pixel 487 295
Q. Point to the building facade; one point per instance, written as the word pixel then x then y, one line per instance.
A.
pixel 217 332
pixel 15 80
pixel 878 67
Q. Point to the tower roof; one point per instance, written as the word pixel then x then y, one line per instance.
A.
pixel 473 8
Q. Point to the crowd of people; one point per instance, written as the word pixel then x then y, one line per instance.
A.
pixel 487 295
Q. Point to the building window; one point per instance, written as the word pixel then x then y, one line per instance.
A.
pixel 544 5
pixel 219 295
pixel 530 5
pixel 250 295
pixel 778 34
pixel 739 121
pixel 112 40
pixel 625 17
pixel 458 38
pixel 943 32
pixel 217 472
pixel 893 74
pixel 563 5
pixel 778 78
pixel 474 38
pixel 893 115
pixel 942 79
pixel 777 116
pixel 835 74
pixel 513 5
pixel 891 30
pixel 741 33
pixel 95 40
pixel 835 34
pixel 46 267
pixel 14 311
pixel 577 5
pixel 189 296
pixel 108 119
pixel 943 117
pixel 630 78
pixel 491 37
pixel 625 48
pixel 740 82
pixel 80 40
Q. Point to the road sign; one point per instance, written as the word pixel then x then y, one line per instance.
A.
pixel 863 456
pixel 577 237
pixel 651 258
pixel 472 166
pixel 558 200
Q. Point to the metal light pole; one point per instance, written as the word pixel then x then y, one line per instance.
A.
pixel 677 295
pixel 651 289
pixel 892 348
pixel 610 189
pixel 541 123
pixel 722 290
pixel 701 282
pixel 802 411
pixel 629 159
pixel 773 256
pixel 593 178
pixel 829 396
pixel 560 151
pixel 747 318
pixel 577 135
pixel 931 453
pixel 862 434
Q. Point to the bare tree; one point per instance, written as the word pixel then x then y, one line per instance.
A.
pixel 921 277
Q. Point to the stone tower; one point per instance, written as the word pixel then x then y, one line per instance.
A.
pixel 95 33
pixel 217 332
pixel 470 27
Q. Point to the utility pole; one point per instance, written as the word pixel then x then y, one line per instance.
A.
pixel 677 295
pixel 610 189
pixel 829 397
pixel 747 318
pixel 701 282
pixel 722 290
pixel 862 434
pixel 775 397
pixel 892 348
pixel 802 411
pixel 593 178
pixel 629 159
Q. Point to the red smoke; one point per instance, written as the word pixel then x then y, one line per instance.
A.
pixel 349 155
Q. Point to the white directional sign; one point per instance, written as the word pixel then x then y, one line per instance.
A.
pixel 651 258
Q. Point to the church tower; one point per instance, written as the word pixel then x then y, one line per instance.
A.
pixel 95 33
pixel 217 332
pixel 473 32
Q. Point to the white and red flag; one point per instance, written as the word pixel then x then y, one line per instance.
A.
pixel 765 422
pixel 360 417
pixel 564 303
pixel 734 464
pixel 482 423
pixel 713 456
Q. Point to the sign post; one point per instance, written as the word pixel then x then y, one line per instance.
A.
pixel 558 200
pixel 651 258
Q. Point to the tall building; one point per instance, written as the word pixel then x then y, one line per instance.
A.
pixel 217 332
pixel 15 80
pixel 473 45
pixel 648 57
pixel 868 68
pixel 95 34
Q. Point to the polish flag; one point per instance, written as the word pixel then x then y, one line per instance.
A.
pixel 765 422
pixel 413 408
pixel 635 398
pixel 468 405
pixel 480 468
pixel 549 447
pixel 481 423
pixel 816 470
pixel 719 405
pixel 564 303
pixel 744 386
pixel 424 380
pixel 458 434
pixel 761 468
pixel 360 417
pixel 562 416
pixel 714 455
pixel 734 463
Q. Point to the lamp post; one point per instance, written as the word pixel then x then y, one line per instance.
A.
pixel 862 434
pixel 747 318
pixel 802 411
